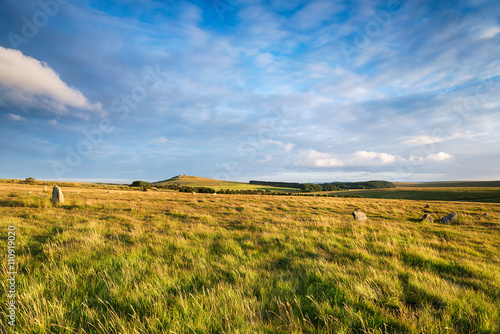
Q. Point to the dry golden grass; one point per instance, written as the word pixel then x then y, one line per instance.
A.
pixel 130 261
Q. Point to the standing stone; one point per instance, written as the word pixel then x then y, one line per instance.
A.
pixel 57 195
pixel 451 218
pixel 359 215
pixel 45 189
pixel 427 206
pixel 427 218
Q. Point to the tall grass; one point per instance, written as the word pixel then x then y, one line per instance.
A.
pixel 146 262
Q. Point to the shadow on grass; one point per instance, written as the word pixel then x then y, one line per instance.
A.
pixel 36 243
pixel 416 297
pixel 454 272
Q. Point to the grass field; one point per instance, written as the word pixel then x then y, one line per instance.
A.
pixel 130 261
pixel 450 184
pixel 195 181
pixel 468 194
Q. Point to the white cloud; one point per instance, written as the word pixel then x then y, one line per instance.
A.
pixel 14 117
pixel 441 156
pixel 372 158
pixel 288 147
pixel 30 82
pixel 422 140
pixel 313 158
pixel 53 122
pixel 438 157
pixel 426 140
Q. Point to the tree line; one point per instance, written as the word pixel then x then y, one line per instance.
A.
pixel 301 187
pixel 277 184
pixel 204 190
pixel 186 189
pixel 331 186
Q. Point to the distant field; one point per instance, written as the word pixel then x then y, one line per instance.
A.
pixel 446 184
pixel 195 181
pixel 469 194
pixel 118 260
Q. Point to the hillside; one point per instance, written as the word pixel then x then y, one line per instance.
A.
pixel 196 181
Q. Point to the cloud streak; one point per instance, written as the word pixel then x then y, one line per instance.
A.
pixel 16 118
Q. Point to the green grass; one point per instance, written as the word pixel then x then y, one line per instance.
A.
pixel 154 262
pixel 450 184
pixel 195 181
pixel 468 194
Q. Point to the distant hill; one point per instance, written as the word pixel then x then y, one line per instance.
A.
pixel 196 181
pixel 445 184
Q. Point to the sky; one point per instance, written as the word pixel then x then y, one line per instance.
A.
pixel 276 90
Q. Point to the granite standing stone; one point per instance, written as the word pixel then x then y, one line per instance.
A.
pixel 57 195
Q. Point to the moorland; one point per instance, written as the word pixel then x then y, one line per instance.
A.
pixel 118 259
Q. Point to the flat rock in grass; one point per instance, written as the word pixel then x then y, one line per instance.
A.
pixel 451 218
pixel 427 218
pixel 359 215
pixel 57 195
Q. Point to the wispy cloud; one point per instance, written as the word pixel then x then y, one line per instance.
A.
pixel 315 13
pixel 287 147
pixel 16 118
pixel 490 32
pixel 429 139
pixel 163 140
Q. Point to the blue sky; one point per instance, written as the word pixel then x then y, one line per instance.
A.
pixel 293 90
